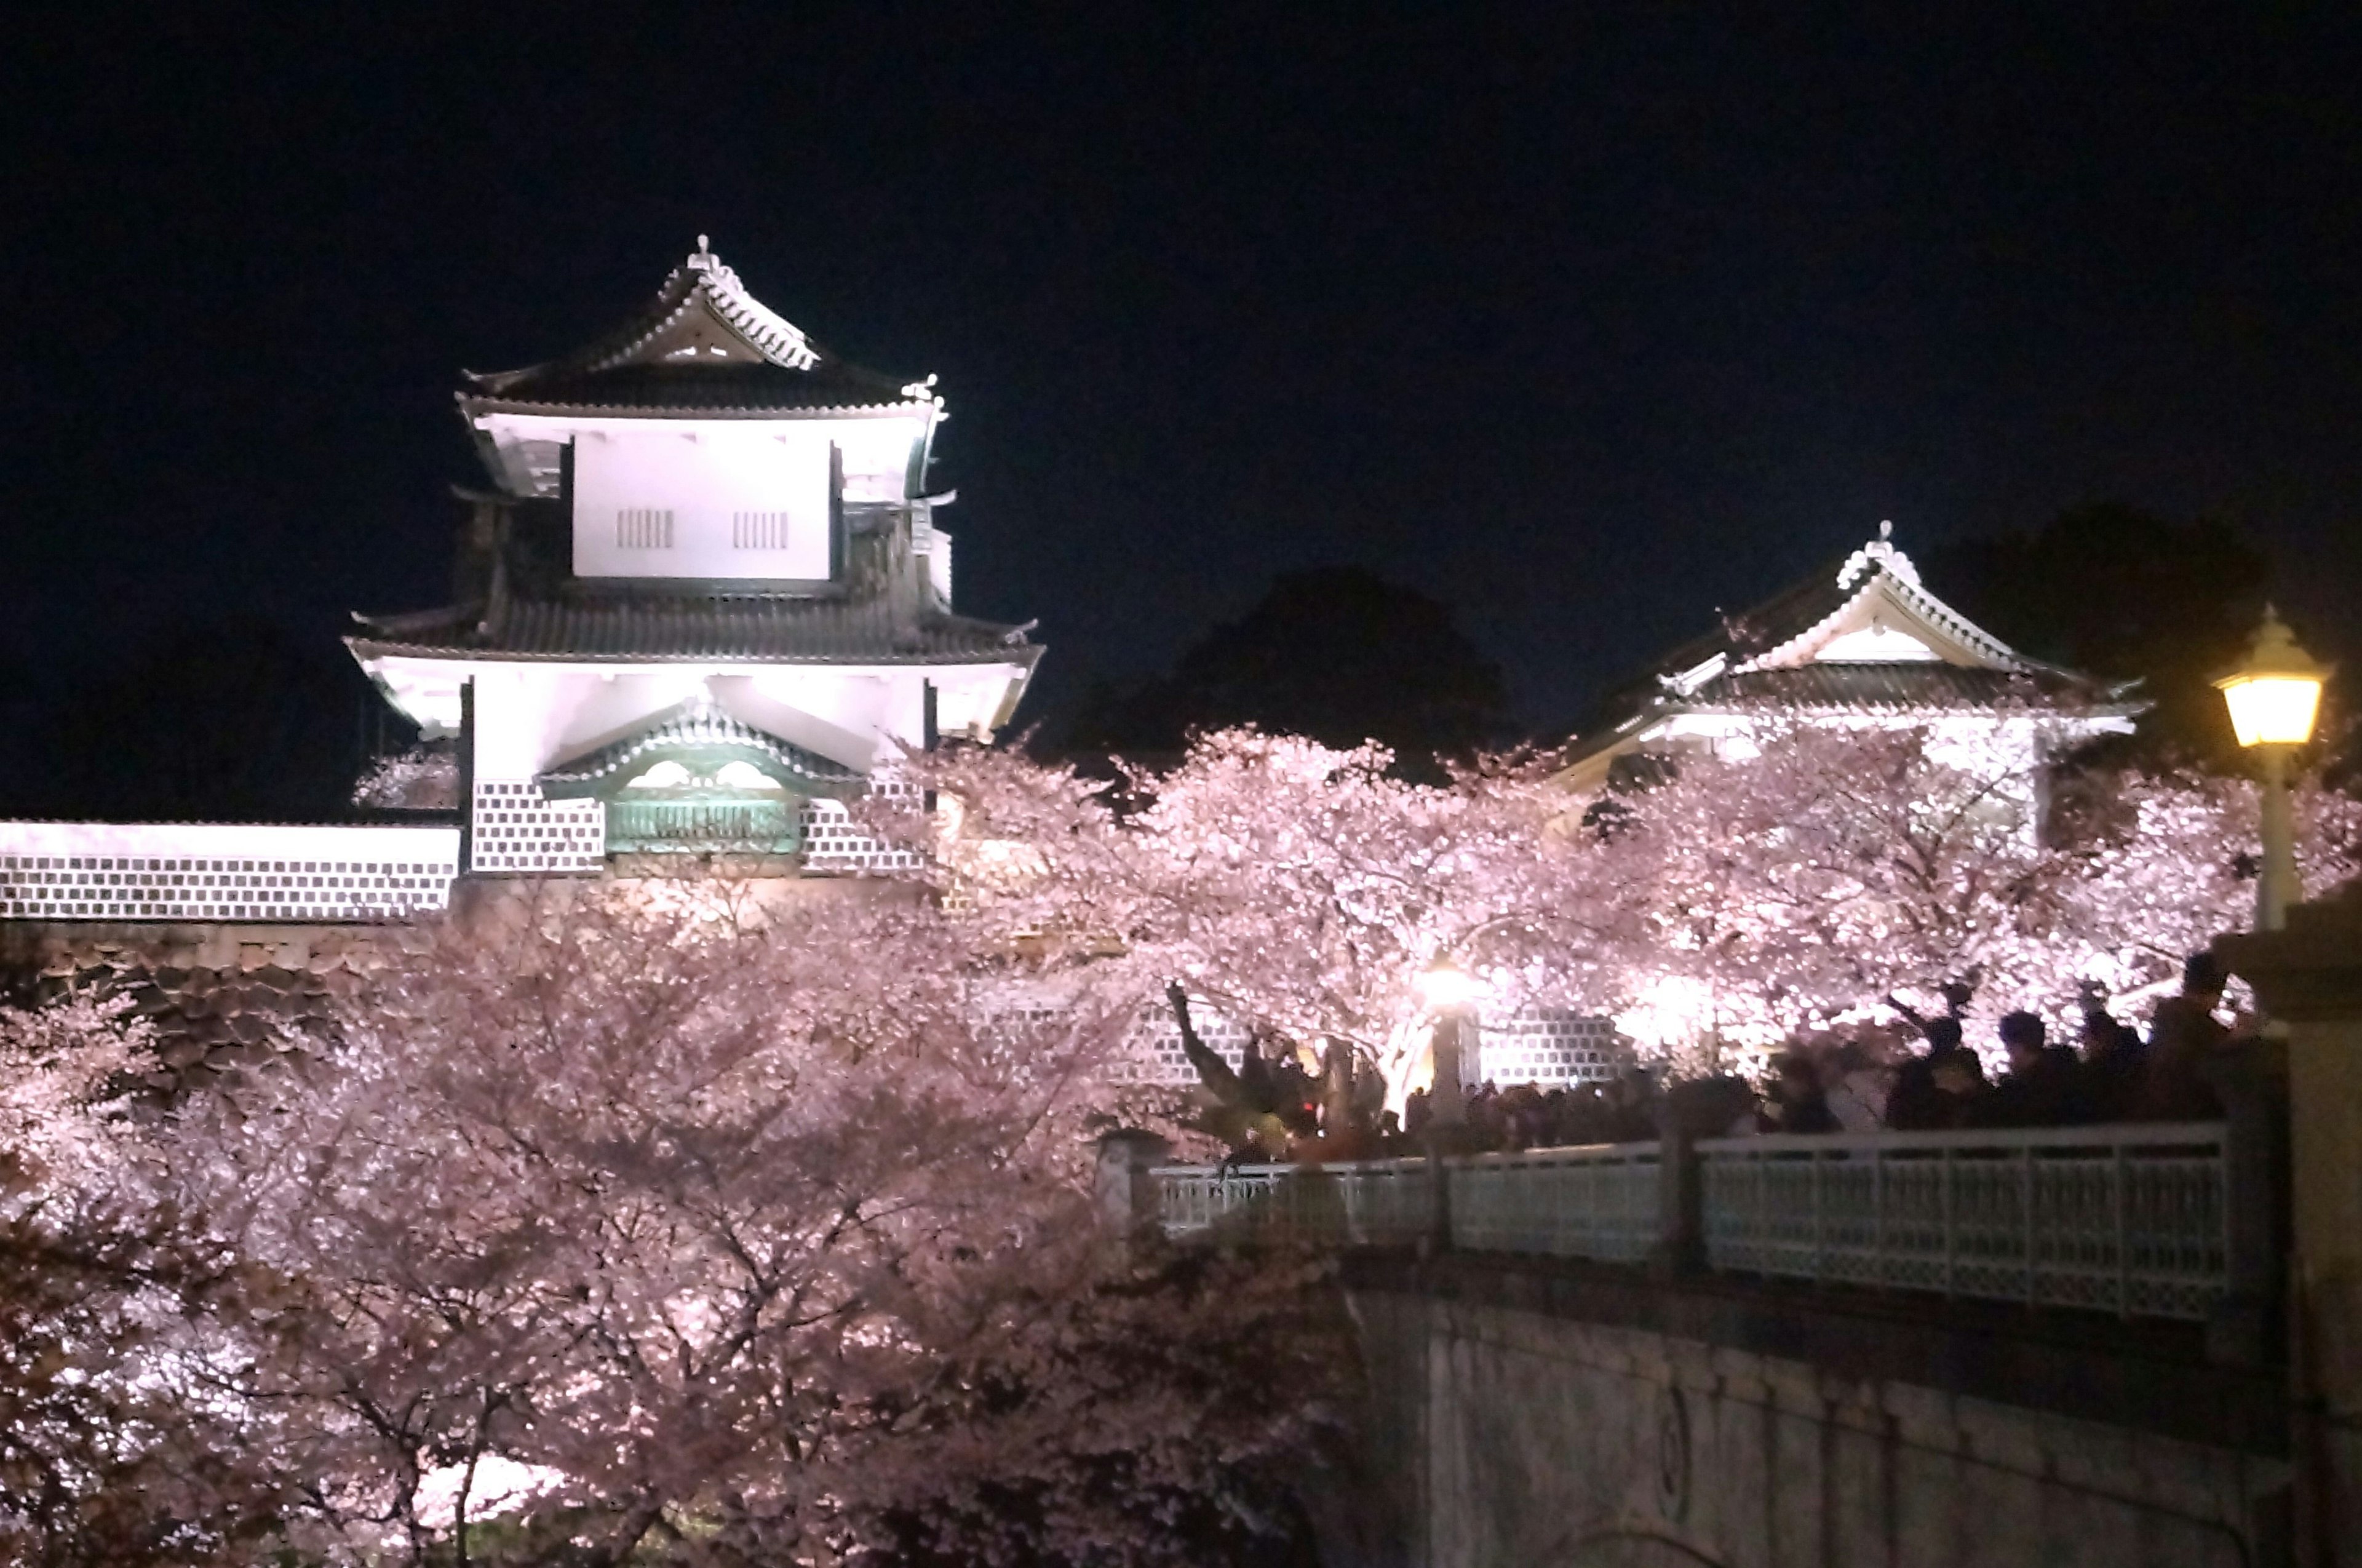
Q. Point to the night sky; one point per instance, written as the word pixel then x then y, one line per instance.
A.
pixel 1585 326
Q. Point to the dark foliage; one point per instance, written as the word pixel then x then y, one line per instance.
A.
pixel 238 722
pixel 1336 653
pixel 2124 595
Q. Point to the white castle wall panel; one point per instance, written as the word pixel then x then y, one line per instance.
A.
pixel 832 843
pixel 711 501
pixel 516 828
pixel 1550 1047
pixel 223 871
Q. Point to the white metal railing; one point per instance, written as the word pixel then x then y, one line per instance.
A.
pixel 1368 1203
pixel 223 871
pixel 2131 1218
pixel 1195 1201
pixel 1598 1202
pixel 2128 1219
pixel 1603 1201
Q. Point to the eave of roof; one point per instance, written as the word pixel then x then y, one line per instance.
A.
pixel 688 628
pixel 1929 687
pixel 629 408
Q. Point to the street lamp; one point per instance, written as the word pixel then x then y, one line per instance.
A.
pixel 1448 991
pixel 2274 695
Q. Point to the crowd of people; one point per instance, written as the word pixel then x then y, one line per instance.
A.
pixel 1930 1079
pixel 1868 1083
pixel 2109 1074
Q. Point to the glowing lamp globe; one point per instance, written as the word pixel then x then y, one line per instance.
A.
pixel 2275 693
pixel 1445 987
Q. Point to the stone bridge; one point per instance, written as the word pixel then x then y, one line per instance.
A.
pixel 1931 1349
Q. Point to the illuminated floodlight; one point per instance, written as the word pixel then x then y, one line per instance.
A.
pixel 1445 987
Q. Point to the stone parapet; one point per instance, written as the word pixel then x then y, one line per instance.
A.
pixel 1526 1410
pixel 2309 978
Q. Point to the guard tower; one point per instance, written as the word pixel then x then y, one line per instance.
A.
pixel 702 599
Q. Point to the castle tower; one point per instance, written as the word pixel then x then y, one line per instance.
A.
pixel 701 599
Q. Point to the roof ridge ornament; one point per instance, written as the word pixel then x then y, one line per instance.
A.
pixel 1881 553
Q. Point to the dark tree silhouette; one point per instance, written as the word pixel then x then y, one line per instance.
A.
pixel 2124 595
pixel 1335 653
pixel 237 722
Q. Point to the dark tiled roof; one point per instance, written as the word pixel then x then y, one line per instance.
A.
pixel 759 362
pixel 1884 688
pixel 698 725
pixel 697 626
pixel 741 389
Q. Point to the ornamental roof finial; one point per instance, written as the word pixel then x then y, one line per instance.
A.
pixel 1885 528
pixel 1880 553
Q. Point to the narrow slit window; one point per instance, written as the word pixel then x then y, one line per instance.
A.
pixel 758 530
pixel 644 528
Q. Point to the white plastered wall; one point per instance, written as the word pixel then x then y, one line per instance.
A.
pixel 733 501
pixel 877 449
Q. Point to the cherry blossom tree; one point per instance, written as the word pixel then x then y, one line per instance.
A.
pixel 110 1453
pixel 1815 874
pixel 660 1224
pixel 421 778
pixel 2162 864
pixel 1823 872
pixel 1819 870
pixel 1296 889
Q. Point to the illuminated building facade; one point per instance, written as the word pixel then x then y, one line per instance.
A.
pixel 702 599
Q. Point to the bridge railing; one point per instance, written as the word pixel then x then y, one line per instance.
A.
pixel 1596 1202
pixel 1600 1202
pixel 2130 1218
pixel 1370 1203
pixel 2136 1219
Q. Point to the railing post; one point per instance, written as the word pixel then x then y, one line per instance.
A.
pixel 1819 1167
pixel 1128 1196
pixel 1438 1238
pixel 1951 1227
pixel 2120 1183
pixel 1682 1116
pixel 2248 1327
pixel 1877 1270
pixel 2027 1242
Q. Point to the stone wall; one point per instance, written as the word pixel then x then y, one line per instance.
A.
pixel 224 995
pixel 1506 1430
pixel 219 997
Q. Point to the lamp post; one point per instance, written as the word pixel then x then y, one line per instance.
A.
pixel 2274 696
pixel 1448 991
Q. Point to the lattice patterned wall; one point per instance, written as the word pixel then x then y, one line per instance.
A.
pixel 1156 1057
pixel 516 829
pixel 831 843
pixel 203 871
pixel 1547 1047
pixel 1550 1046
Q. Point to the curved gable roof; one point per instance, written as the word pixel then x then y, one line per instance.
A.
pixel 1862 636
pixel 698 727
pixel 703 347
